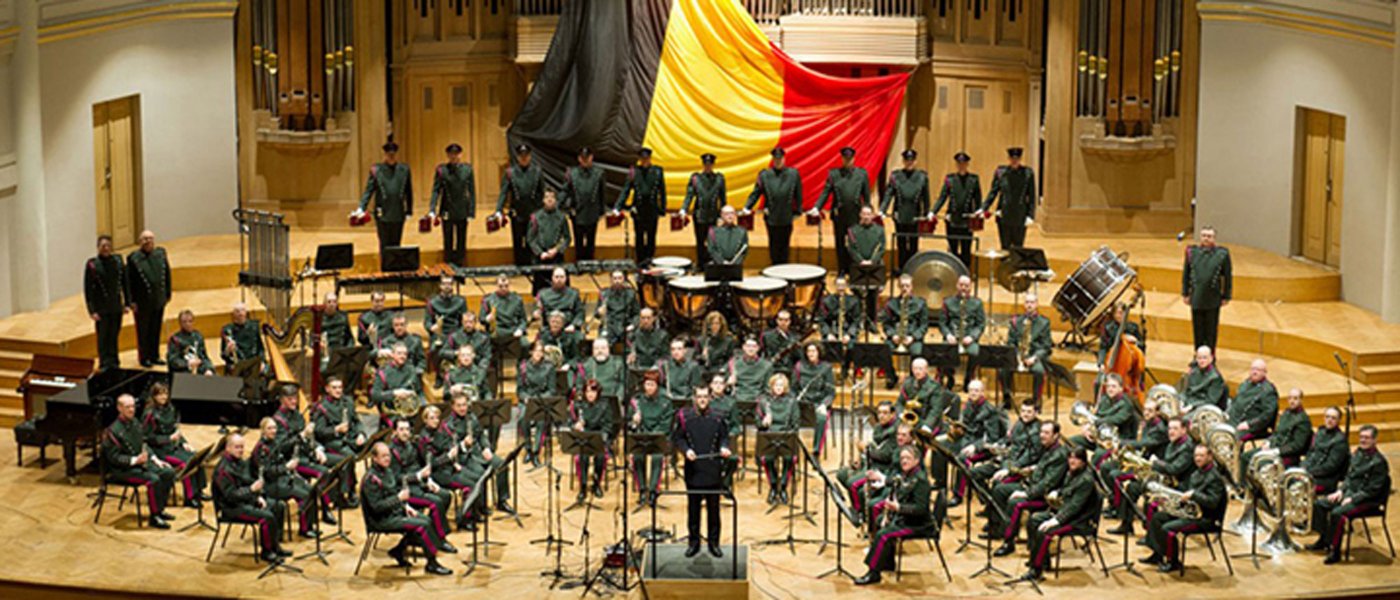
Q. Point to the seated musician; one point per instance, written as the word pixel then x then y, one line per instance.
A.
pixel 904 513
pixel 387 509
pixel 927 398
pixel 603 368
pixel 276 462
pixel 815 385
pixel 1254 411
pixel 446 348
pixel 560 297
pixel 716 344
pixel 1114 411
pixel 841 317
pixel 647 344
pixel 984 424
pixel 503 311
pixel 651 413
pixel 1108 333
pixel 1030 337
pixel 1365 488
pixel 1018 499
pixel 535 379
pixel 439 443
pixel 241 339
pixel 961 322
pixel 375 322
pixel 591 413
pixel 399 335
pixel 555 334
pixel 1022 449
pixel 442 316
pixel 408 463
pixel 128 459
pixel 1326 460
pixel 185 351
pixel 241 494
pixel 339 431
pixel 1174 465
pixel 680 375
pixel 300 433
pixel 728 243
pixel 1077 513
pixel 725 405
pixel 1204 488
pixel 875 454
pixel 749 372
pixel 478 452
pixel 1203 384
pixel 398 386
pixel 780 343
pixel 1291 437
pixel 548 236
pixel 905 323
pixel 335 326
pixel 618 307
pixel 1152 440
pixel 168 443
pixel 778 412
pixel 469 375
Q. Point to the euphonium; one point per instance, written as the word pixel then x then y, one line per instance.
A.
pixel 1224 444
pixel 1137 464
pixel 1167 398
pixel 554 354
pixel 1202 419
pixel 1172 501
pixel 1104 435
pixel 1054 500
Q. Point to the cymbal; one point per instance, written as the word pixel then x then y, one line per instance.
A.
pixel 1007 277
pixel 935 275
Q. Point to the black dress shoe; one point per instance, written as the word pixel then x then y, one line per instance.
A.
pixel 870 578
pixel 772 496
pixel 783 498
pixel 1319 545
pixel 282 552
pixel 145 364
pixel 309 534
pixel 1333 558
pixel 715 551
pixel 1033 574
pixel 1124 529
pixel 447 548
pixel 470 526
pixel 193 503
pixel 505 507
pixel 582 496
pixel 1169 566
pixel 434 568
pixel 203 497
pixel 1005 549
pixel 352 503
pixel 597 491
pixel 954 501
pixel 269 556
pixel 158 523
pixel 1151 560
pixel 166 515
pixel 158 362
pixel 692 551
pixel 396 553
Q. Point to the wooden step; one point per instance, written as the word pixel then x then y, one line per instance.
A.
pixel 1387 392
pixel 1379 374
pixel 9 379
pixel 10 416
pixel 1371 359
pixel 15 361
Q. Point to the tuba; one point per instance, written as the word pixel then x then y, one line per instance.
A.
pixel 1224 444
pixel 910 416
pixel 1105 435
pixel 1167 398
pixel 1172 501
pixel 1283 499
pixel 1140 466
pixel 1203 418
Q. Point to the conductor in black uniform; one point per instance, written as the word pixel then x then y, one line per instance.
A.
pixel 703 432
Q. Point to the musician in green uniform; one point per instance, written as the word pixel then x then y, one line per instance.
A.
pixel 781 189
pixel 848 188
pixel 749 372
pixel 339 431
pixel 907 190
pixel 841 315
pixel 409 464
pixel 728 243
pixel 1362 494
pixel 185 350
pixel 592 414
pixel 129 459
pixel 1113 411
pixel 562 297
pixel 1151 440
pixel 716 344
pixel 148 287
pixel 386 509
pixel 1203 383
pixel 603 368
pixel 549 236
pixel 1174 464
pixel 1291 437
pixel 555 334
pixel 468 376
pixel 815 385
pixel 962 190
pixel 905 323
pixel 780 343
pixel 877 455
pixel 241 495
pixel 864 242
pixel 650 413
pixel 707 190
pixel 523 185
pixel 439 441
pixel 962 321
pixel 375 322
pixel 299 433
pixel 778 412
pixel 1254 410
pixel 646 184
pixel 454 182
pixel 535 379
pixel 241 339
pixel 390 185
pixel 398 386
pixel 478 453
pixel 929 400
pixel 442 316
pixel 1014 185
pixel 617 308
pixel 983 424
pixel 907 506
pixel 335 325
pixel 168 443
pixel 276 462
pixel 1077 513
pixel 469 336
pixel 1018 450
pixel 1326 460
pixel 583 200
pixel 1204 488
pixel 399 335
pixel 680 374
pixel 1207 283
pixel 1019 499
pixel 1030 337
pixel 104 293
pixel 504 312
pixel 648 343
pixel 1108 333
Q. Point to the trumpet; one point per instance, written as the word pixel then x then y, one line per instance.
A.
pixel 1173 501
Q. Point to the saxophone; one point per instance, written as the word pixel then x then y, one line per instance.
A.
pixel 490 317
pixel 1023 347
pixel 962 325
pixel 840 317
pixel 1172 501
pixel 901 331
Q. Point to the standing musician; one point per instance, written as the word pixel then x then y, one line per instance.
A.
pixel 749 372
pixel 185 350
pixel 707 189
pixel 875 455
pixel 908 191
pixel 848 187
pixel 562 297
pixel 716 343
pixel 618 308
pixel 442 317
pixel 390 185
pixel 1254 410
pixel 648 343
pixel 1361 494
pixel 1174 462
pixel 396 385
pixel 680 375
pixel 242 339
pixel 816 385
pixel 148 287
pixel 728 243
pixel 523 184
pixel 296 431
pixel 583 200
pixel 1203 487
pixel 277 463
pixel 984 424
pixel 1207 282
pixel 780 343
pixel 339 431
pixel 1014 184
pixel 241 495
pixel 399 335
pixel 1327 458
pixel 702 436
pixel 104 294
pixel 129 459
pixel 1114 410
pixel 455 183
pixel 591 413
pixel 387 509
pixel 964 189
pixel 650 413
pixel 1022 449
pixel 646 183
pixel 549 236
pixel 1108 333
pixel 1203 383
pixel 781 188
pixel 478 452
pixel 1030 336
pixel 503 311
pixel 1292 436
pixel 535 379
pixel 1020 498
pixel 1152 439
pixel 604 369
pixel 556 334
pixel 1077 514
pixel 962 322
pixel 469 336
pixel 778 412
pixel 907 509
pixel 375 322
pixel 905 321
pixel 168 443
pixel 335 325
pixel 410 464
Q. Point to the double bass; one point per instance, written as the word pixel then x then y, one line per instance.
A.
pixel 1127 360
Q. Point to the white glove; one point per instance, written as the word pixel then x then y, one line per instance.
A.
pixel 1029 221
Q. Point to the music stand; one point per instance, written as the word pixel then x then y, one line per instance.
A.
pixel 835 494
pixel 582 445
pixel 346 363
pixel 250 371
pixel 806 418
pixel 550 410
pixel 980 491
pixel 320 489
pixel 323 485
pixel 999 357
pixel 195 463
pixel 491 415
pixel 641 446
pixel 746 413
pixel 400 258
pixel 782 445
pixel 335 257
pixel 942 356
pixel 717 273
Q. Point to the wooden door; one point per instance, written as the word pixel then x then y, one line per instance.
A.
pixel 116 135
pixel 1322 158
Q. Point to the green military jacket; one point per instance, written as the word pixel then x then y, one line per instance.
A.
pixel 1177 461
pixel 123 442
pixel 848 189
pixel 104 285
pixel 525 189
pixel 446 349
pixel 964 196
pixel 549 229
pixel 708 192
pixel 1207 277
pixel 473 376
pixel 647 185
pixel 866 243
pixel 782 195
pixel 1049 471
pixel 838 311
pixel 963 317
pixel 649 345
pixel 814 383
pixel 907 190
pixel 455 185
pixel 1368 477
pixel 782 348
pixel 290 425
pixel 912 492
pixel 596 416
pixel 536 379
pixel 565 300
pixel 233 480
pixel 1079 499
pixel 510 312
pixel 1108 335
pixel 383 321
pixel 750 376
pixel 680 378
pixel 728 244
pixel 928 393
pixel 622 309
pixel 181 345
pixel 1038 328
pixel 1024 444
pixel 328 414
pixel 984 421
pixel 382 508
pixel 148 278
pixel 416 358
pixel 336 327
pixel 450 308
pixel 1152 439
pixel 271 457
pixel 391 186
pixel 438 443
pixel 406 461
pixel 728 407
pixel 247 337
pixel 393 377
pixel 884 446
pixel 460 426
pixel 657 414
pixel 912 310
pixel 784 411
pixel 1203 386
pixel 1293 434
pixel 583 194
pixel 160 422
pixel 1016 188
pixel 1327 458
pixel 1256 404
pixel 717 350
pixel 1208 491
pixel 1119 413
pixel 570 343
pixel 608 374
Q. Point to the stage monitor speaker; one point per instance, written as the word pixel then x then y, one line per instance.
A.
pixel 399 258
pixel 335 257
pixel 188 387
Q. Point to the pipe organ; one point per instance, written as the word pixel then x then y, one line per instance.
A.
pixel 303 60
pixel 1129 63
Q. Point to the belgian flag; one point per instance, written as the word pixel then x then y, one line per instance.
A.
pixel 686 77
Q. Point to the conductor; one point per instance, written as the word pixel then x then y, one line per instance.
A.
pixel 702 435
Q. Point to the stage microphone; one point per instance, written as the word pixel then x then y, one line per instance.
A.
pixel 1340 363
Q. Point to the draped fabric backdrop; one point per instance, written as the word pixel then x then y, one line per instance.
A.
pixel 686 77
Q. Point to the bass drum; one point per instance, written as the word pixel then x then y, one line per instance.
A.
pixel 806 284
pixel 1089 293
pixel 935 274
pixel 759 298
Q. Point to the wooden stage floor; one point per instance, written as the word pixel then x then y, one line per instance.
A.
pixel 51 540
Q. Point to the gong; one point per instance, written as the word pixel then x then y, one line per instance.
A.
pixel 935 275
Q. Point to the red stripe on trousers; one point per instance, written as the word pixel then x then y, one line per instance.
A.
pixel 880 545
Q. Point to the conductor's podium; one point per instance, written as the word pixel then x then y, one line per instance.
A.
pixel 669 574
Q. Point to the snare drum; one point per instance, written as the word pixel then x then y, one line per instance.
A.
pixel 671 262
pixel 760 298
pixel 689 297
pixel 806 283
pixel 1090 292
pixel 652 284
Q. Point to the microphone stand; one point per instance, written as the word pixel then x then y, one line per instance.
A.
pixel 1351 396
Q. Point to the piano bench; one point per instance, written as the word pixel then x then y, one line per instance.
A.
pixel 27 435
